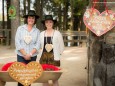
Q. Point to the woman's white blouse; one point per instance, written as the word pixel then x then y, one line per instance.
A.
pixel 21 44
pixel 58 44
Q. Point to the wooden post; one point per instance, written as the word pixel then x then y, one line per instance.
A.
pixel 50 82
pixel 2 83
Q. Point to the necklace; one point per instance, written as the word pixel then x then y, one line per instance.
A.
pixel 49 46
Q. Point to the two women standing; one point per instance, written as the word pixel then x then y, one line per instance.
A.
pixel 29 40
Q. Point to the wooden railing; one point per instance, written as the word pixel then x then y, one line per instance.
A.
pixel 74 37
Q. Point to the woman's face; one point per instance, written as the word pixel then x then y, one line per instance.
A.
pixel 31 20
pixel 49 23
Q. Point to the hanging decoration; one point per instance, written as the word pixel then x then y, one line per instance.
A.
pixel 12 12
pixel 99 23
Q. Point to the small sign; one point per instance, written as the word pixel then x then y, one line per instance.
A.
pixel 110 38
pixel 12 12
pixel 99 23
pixel 25 74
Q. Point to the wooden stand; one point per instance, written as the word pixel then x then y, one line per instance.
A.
pixel 2 83
pixel 47 77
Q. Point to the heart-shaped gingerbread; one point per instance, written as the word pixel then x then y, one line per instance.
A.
pixel 27 39
pixel 48 47
pixel 99 23
pixel 25 74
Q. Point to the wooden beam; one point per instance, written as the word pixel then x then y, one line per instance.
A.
pixel 5 29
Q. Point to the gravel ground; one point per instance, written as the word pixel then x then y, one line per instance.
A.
pixel 73 63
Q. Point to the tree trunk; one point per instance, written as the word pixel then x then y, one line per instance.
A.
pixel 8 20
pixel 72 15
pixel 8 24
pixel 3 14
pixel 59 17
pixel 65 15
pixel 93 50
pixel 28 5
pixel 15 22
pixel 3 19
pixel 39 11
pixel 24 6
pixel 82 25
pixel 100 49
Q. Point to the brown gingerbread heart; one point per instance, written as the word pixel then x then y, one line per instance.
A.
pixel 25 74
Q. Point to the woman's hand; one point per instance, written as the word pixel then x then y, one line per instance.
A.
pixel 27 57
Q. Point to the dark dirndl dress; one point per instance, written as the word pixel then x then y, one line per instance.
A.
pixel 48 57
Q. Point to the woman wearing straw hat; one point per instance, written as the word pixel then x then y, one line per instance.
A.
pixel 27 40
pixel 52 44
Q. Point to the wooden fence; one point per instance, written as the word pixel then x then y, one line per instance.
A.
pixel 75 38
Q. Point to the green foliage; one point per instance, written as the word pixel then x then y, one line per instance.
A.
pixel 79 6
pixel 58 1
